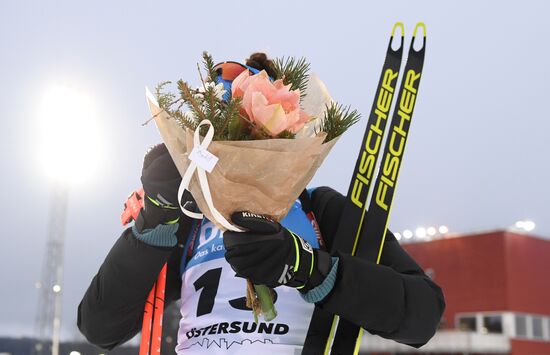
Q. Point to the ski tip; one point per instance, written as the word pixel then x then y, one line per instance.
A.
pixel 396 26
pixel 414 44
pixel 420 25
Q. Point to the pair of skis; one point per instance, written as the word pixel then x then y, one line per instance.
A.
pixel 362 231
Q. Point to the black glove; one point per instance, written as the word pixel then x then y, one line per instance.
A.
pixel 267 254
pixel 160 179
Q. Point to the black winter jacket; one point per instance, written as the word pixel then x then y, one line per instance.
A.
pixel 395 299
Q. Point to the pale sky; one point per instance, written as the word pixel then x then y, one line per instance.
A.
pixel 476 157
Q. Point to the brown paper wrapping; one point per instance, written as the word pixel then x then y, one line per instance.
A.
pixel 260 176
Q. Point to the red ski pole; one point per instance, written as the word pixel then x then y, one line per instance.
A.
pixel 151 329
pixel 147 324
pixel 158 312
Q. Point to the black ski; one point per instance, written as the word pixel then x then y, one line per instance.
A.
pixel 371 240
pixel 351 223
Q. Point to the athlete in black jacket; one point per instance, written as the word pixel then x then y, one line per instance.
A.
pixel 395 299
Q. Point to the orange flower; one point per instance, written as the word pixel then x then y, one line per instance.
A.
pixel 271 104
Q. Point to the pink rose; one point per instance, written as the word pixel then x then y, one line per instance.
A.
pixel 272 104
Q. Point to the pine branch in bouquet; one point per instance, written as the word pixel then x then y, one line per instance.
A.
pixel 294 72
pixel 211 109
pixel 191 100
pixel 236 126
pixel 225 116
pixel 165 99
pixel 184 119
pixel 337 120
pixel 208 64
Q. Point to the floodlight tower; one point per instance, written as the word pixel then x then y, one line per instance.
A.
pixel 48 315
pixel 68 150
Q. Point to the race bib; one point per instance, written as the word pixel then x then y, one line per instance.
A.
pixel 213 308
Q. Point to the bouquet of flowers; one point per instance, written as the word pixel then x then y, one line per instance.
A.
pixel 260 138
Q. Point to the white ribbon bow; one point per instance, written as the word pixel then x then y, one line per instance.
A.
pixel 203 181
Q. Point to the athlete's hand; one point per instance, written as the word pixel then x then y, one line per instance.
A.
pixel 161 180
pixel 269 254
pixel 160 177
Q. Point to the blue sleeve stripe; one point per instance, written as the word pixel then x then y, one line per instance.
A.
pixel 318 293
pixel 163 235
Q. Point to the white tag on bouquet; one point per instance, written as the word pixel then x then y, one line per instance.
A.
pixel 203 158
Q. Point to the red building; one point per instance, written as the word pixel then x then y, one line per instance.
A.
pixel 497 290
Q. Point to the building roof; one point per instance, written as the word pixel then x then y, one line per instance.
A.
pixel 488 271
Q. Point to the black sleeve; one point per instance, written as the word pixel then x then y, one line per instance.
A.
pixel 111 311
pixel 395 299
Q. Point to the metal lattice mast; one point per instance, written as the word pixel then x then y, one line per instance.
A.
pixel 48 313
